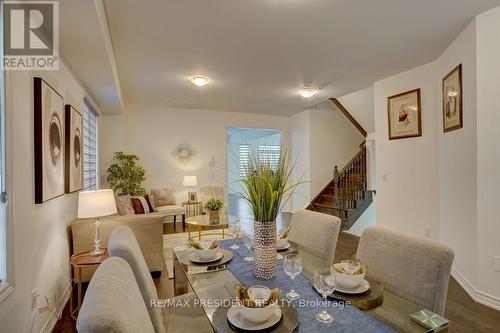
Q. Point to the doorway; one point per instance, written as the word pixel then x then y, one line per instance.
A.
pixel 241 144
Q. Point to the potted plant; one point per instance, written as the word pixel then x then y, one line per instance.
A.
pixel 214 206
pixel 126 175
pixel 267 189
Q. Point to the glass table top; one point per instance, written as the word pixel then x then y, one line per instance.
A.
pixel 394 312
pixel 204 220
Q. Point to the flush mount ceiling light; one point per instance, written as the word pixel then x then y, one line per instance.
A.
pixel 200 81
pixel 307 92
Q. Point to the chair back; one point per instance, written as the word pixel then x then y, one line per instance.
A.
pixel 315 233
pixel 113 302
pixel 416 269
pixel 122 243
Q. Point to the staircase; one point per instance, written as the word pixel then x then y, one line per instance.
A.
pixel 346 195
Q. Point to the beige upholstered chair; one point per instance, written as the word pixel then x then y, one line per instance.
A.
pixel 214 192
pixel 122 243
pixel 415 269
pixel 315 233
pixel 165 203
pixel 113 302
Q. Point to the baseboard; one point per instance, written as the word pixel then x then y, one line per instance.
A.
pixel 477 295
pixel 56 313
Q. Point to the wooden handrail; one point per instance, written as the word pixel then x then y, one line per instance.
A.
pixel 360 152
pixel 349 116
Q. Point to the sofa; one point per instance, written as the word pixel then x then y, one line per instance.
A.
pixel 148 229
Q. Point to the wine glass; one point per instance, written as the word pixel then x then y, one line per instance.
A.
pixel 292 265
pixel 234 228
pixel 324 282
pixel 247 240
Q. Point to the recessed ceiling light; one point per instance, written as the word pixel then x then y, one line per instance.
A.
pixel 307 92
pixel 200 81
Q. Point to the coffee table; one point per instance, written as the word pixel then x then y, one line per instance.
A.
pixel 201 222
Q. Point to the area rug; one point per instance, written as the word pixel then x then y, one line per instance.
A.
pixel 172 240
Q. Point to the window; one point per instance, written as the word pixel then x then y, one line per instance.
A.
pixel 90 137
pixel 244 159
pixel 270 155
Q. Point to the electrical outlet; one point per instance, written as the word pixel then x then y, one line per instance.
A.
pixel 496 263
pixel 34 295
pixel 384 177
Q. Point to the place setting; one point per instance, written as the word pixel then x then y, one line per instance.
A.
pixel 205 256
pixel 256 309
pixel 348 282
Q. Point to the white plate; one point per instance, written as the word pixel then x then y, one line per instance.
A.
pixel 194 257
pixel 283 246
pixel 234 317
pixel 363 287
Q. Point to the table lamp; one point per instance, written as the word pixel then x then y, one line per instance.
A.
pixel 95 204
pixel 190 182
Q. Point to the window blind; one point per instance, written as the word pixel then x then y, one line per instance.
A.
pixel 269 155
pixel 90 137
pixel 244 159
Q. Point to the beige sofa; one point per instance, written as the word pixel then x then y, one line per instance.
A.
pixel 148 229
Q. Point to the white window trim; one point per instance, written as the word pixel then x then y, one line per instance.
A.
pixel 91 106
pixel 7 287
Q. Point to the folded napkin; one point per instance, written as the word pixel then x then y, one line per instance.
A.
pixel 196 245
pixel 339 268
pixel 241 294
pixel 283 233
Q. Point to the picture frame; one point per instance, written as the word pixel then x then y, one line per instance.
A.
pixel 452 100
pixel 192 197
pixel 404 115
pixel 48 141
pixel 73 152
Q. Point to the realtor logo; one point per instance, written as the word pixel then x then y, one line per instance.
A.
pixel 31 35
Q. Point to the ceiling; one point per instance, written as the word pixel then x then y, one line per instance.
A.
pixel 258 53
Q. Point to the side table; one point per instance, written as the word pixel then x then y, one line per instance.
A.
pixel 77 262
pixel 193 208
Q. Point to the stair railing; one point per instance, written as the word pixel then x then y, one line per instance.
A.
pixel 350 182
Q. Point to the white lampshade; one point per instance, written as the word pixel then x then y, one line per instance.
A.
pixel 190 181
pixel 96 203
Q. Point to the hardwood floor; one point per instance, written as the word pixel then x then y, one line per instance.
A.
pixel 465 315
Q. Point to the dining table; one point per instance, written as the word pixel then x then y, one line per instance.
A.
pixel 218 284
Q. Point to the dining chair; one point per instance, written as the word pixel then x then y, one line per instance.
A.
pixel 113 302
pixel 315 233
pixel 122 243
pixel 416 269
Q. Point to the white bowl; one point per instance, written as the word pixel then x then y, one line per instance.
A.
pixel 206 253
pixel 347 281
pixel 257 315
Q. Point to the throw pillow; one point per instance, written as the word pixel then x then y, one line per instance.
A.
pixel 141 205
pixel 164 197
pixel 124 205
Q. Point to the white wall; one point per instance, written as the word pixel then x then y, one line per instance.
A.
pixel 333 141
pixel 154 133
pixel 41 241
pixel 407 169
pixel 299 129
pixel 360 106
pixel 488 154
pixel 457 157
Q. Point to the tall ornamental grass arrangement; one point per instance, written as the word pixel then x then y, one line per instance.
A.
pixel 267 188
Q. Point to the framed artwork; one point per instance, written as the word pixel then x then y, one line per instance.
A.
pixel 49 142
pixel 73 150
pixel 452 100
pixel 192 197
pixel 404 114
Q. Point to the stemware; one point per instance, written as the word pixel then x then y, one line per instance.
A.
pixel 247 240
pixel 292 265
pixel 234 229
pixel 324 282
